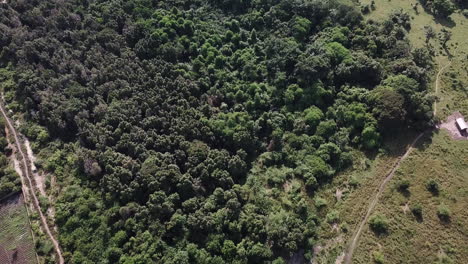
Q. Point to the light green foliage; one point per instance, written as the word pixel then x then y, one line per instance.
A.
pixel 337 52
pixel 378 258
pixel 379 224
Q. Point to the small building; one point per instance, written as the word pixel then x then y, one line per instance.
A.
pixel 462 125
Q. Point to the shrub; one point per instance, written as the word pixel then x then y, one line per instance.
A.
pixel 433 186
pixel 465 13
pixel 378 257
pixel 332 217
pixel 403 185
pixel 320 202
pixel 443 212
pixel 417 210
pixel 379 224
pixel 344 227
pixel 354 181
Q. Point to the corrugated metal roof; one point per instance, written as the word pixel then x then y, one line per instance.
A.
pixel 461 124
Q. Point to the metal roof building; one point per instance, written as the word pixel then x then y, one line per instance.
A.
pixel 461 124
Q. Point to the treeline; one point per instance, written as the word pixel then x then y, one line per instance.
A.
pixel 197 132
pixel 444 8
pixel 10 181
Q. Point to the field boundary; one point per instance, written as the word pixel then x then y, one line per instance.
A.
pixel 355 239
pixel 28 185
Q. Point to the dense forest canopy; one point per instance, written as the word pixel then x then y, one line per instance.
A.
pixel 197 131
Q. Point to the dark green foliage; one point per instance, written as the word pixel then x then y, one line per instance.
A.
pixel 417 210
pixel 379 224
pixel 440 8
pixel 403 185
pixel 443 212
pixel 186 131
pixel 433 186
pixel 10 181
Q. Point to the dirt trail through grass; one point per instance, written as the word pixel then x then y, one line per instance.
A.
pixel 26 169
pixel 437 84
pixel 355 238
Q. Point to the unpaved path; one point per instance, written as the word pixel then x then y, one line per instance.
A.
pixel 437 84
pixel 39 179
pixel 26 169
pixel 355 237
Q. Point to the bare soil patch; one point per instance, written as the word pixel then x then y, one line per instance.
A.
pixel 452 128
pixel 39 179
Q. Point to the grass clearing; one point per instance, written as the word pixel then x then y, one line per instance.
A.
pixel 418 232
pixel 453 92
pixel 359 186
pixel 16 241
pixel 426 238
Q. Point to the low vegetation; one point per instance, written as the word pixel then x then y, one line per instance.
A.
pixel 434 223
pixel 15 233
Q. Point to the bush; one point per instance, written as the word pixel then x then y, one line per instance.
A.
pixel 332 217
pixel 378 257
pixel 354 181
pixel 379 224
pixel 403 185
pixel 443 212
pixel 433 186
pixel 417 210
pixel 320 202
pixel 465 13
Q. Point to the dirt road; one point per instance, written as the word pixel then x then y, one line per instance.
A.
pixel 437 84
pixel 26 169
pixel 355 237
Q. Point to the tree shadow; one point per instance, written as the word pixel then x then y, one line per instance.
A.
pixel 426 140
pixel 446 22
pixel 445 220
pixel 405 192
pixel 419 217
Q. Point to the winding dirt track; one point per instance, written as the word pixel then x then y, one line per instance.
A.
pixel 355 239
pixel 27 174
pixel 437 84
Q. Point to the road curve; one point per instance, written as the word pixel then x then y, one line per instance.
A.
pixel 355 238
pixel 27 174
pixel 437 85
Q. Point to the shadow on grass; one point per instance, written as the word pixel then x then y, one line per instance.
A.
pixel 419 217
pixel 446 22
pixel 405 192
pixel 426 140
pixel 444 220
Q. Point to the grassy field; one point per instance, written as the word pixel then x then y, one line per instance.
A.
pixel 428 238
pixel 358 186
pixel 454 86
pixel 410 239
pixel 16 241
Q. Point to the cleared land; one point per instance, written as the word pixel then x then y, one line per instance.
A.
pixel 16 243
pixel 410 239
pixel 28 182
pixel 454 80
pixel 429 238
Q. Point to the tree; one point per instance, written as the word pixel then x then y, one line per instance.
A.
pixel 389 107
pixel 312 116
pixel 445 36
pixel 429 33
pixel 443 8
